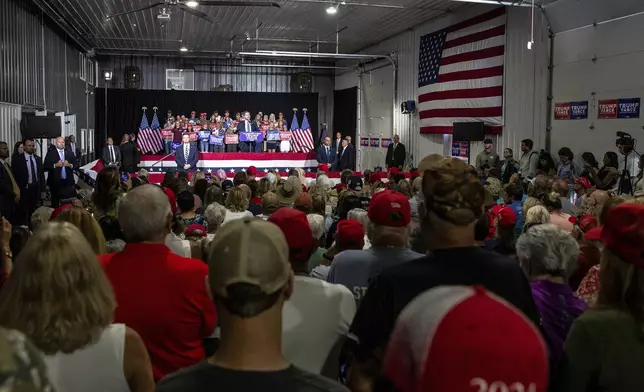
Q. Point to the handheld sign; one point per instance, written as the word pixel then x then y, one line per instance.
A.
pixel 251 137
pixel 273 136
pixel 193 136
pixel 285 136
pixel 216 140
pixel 167 134
pixel 232 138
pixel 204 135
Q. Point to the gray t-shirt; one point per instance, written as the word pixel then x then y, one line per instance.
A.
pixel 354 269
pixel 206 377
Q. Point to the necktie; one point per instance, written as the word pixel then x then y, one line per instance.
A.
pixel 16 189
pixel 73 149
pixel 185 152
pixel 327 153
pixel 63 172
pixel 247 126
pixel 112 154
pixel 34 179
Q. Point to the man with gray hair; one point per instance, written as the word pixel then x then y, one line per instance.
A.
pixel 161 295
pixel 388 230
pixel 548 255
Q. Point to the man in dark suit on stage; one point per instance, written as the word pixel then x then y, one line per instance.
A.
pixel 73 148
pixel 28 173
pixel 346 157
pixel 186 155
pixel 247 126
pixel 326 153
pixel 111 154
pixel 337 143
pixel 9 190
pixel 396 154
pixel 59 165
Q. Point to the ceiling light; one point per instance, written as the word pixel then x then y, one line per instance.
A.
pixel 495 2
pixel 107 75
pixel 183 49
pixel 332 10
pixel 192 4
pixel 530 45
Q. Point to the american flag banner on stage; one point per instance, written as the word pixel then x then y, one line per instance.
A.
pixel 460 74
pixel 295 127
pixel 305 135
pixel 156 137
pixel 144 140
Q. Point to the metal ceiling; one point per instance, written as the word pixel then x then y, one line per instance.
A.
pixel 295 26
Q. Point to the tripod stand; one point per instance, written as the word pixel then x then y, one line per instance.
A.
pixel 625 185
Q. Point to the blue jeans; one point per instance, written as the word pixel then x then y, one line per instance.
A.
pixel 204 145
pixel 168 146
pixel 259 146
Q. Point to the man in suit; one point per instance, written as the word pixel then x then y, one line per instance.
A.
pixel 186 155
pixel 396 154
pixel 9 190
pixel 73 148
pixel 247 126
pixel 346 157
pixel 326 154
pixel 28 173
pixel 337 143
pixel 111 154
pixel 58 163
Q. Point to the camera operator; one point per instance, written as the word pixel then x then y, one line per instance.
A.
pixel 629 164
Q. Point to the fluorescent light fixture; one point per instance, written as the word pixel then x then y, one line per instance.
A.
pixel 192 4
pixel 107 75
pixel 508 3
pixel 332 10
pixel 183 49
pixel 530 45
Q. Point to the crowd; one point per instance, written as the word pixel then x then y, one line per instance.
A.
pixel 486 277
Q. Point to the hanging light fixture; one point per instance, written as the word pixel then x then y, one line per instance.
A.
pixel 183 49
pixel 192 4
pixel 332 10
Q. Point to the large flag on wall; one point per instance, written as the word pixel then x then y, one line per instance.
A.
pixel 460 74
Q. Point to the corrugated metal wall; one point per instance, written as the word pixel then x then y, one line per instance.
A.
pixel 10 116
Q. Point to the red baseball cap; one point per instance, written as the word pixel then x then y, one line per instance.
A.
pixel 457 338
pixel 390 208
pixel 594 234
pixel 323 167
pixel 251 171
pixel 583 181
pixel 196 230
pixel 58 211
pixel 394 170
pixel 623 233
pixel 507 217
pixel 349 234
pixel 297 231
pixel 585 222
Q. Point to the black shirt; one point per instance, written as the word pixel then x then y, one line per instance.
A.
pixel 394 288
pixel 207 377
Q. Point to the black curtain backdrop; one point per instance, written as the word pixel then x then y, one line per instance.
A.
pixel 345 113
pixel 124 107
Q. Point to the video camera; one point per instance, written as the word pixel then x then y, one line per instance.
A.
pixel 625 139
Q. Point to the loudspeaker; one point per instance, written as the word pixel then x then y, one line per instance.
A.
pixel 132 77
pixel 302 83
pixel 468 131
pixel 40 127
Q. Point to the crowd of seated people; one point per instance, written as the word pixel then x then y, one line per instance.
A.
pixel 455 278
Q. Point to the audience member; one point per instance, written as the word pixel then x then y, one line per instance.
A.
pixel 537 215
pixel 562 188
pixel 316 222
pixel 346 203
pixel 23 365
pixel 40 216
pixel 453 202
pixel 265 186
pixel 108 190
pixel 214 217
pixel 64 303
pixel 87 225
pixel 270 204
pixel 315 308
pixel 581 189
pixel 437 345
pixel 415 200
pixel 200 188
pixel 240 178
pixel 548 255
pixel 361 216
pixel 566 168
pixel 604 347
pixel 504 242
pixel 114 238
pixel 589 254
pixel 514 200
pixel 236 205
pixel 187 209
pixel 214 194
pixel 162 296
pixel 19 237
pixel 606 178
pixel 288 192
pixel 303 203
pixel 481 230
pixel 388 231
pixel 250 280
pixel 557 216
pixel 255 201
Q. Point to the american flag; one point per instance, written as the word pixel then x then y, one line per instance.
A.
pixel 150 140
pixel 295 142
pixel 305 136
pixel 460 74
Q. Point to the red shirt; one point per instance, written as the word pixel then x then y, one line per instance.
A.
pixel 163 297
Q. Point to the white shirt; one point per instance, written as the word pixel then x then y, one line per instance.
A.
pixel 314 320
pixel 31 176
pixel 112 155
pixel 231 216
pixel 93 368
pixel 178 246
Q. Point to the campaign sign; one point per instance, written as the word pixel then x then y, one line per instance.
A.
pixel 232 138
pixel 204 135
pixel 216 140
pixel 628 108
pixel 579 110
pixel 562 111
pixel 175 145
pixel 251 137
pixel 285 136
pixel 374 142
pixel 386 141
pixel 364 142
pixel 193 136
pixel 167 134
pixel 273 136
pixel 461 150
pixel 607 108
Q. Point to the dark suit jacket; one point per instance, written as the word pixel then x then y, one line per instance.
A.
pixel 54 177
pixel 106 155
pixel 129 156
pixel 76 152
pixel 348 159
pixel 321 155
pixel 396 158
pixel 193 158
pixel 241 127
pixel 7 197
pixel 21 175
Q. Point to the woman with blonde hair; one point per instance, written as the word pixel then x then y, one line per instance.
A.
pixel 604 349
pixel 87 225
pixel 236 205
pixel 537 215
pixel 64 303
pixel 265 186
pixel 405 188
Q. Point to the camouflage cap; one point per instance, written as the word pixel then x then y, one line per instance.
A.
pixel 21 367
